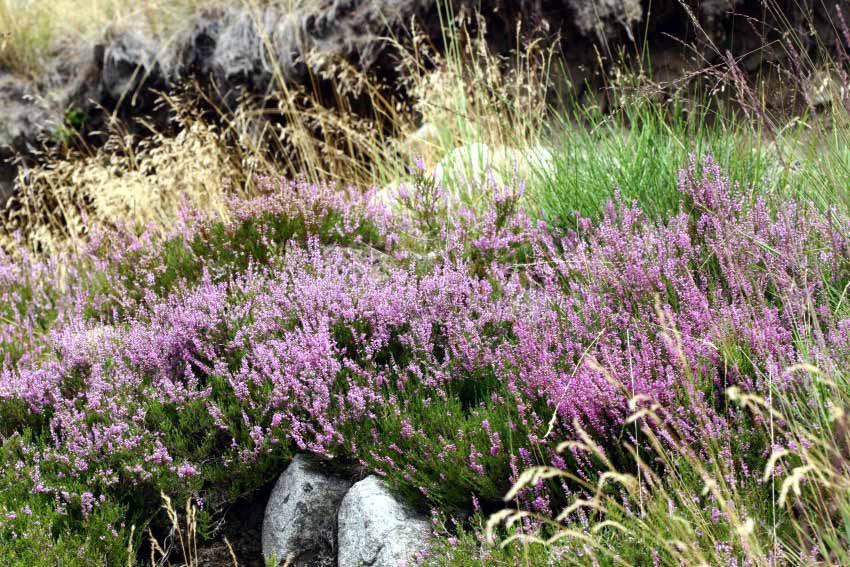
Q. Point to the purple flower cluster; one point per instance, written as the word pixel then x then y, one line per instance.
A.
pixel 344 350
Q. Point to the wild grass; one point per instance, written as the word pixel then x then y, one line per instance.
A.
pixel 472 111
pixel 679 504
pixel 30 29
pixel 650 129
pixel 142 185
pixel 636 153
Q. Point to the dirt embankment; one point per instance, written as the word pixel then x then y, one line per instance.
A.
pixel 235 53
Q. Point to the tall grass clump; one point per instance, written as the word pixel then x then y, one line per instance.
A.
pixel 638 150
pixel 678 502
pixel 780 131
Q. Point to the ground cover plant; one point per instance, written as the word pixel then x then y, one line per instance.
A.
pixel 318 320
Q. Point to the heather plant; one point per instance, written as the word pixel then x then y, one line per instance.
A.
pixel 185 302
pixel 673 505
pixel 719 481
pixel 40 528
pixel 444 348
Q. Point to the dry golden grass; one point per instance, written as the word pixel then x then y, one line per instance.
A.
pixel 466 97
pixel 31 28
pixel 136 183
pixel 182 539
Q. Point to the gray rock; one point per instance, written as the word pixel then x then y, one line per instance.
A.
pixel 289 46
pixel 25 116
pixel 377 530
pixel 474 163
pixel 236 58
pixel 300 519
pixel 129 61
pixel 26 121
pixel 191 53
pixel 8 172
pixel 252 50
pixel 606 17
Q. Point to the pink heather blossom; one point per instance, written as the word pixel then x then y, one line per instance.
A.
pixel 297 347
pixel 406 429
pixel 87 503
pixel 186 470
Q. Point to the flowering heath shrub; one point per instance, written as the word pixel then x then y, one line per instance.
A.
pixel 444 348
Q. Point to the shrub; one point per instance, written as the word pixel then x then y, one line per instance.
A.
pixel 440 347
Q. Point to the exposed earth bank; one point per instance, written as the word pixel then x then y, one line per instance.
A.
pixel 232 54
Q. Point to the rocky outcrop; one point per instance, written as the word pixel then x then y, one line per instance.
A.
pixel 300 519
pixel 25 117
pixel 241 51
pixel 231 52
pixel 251 51
pixel 377 530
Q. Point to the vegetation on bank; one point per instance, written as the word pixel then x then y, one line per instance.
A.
pixel 315 319
pixel 642 342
